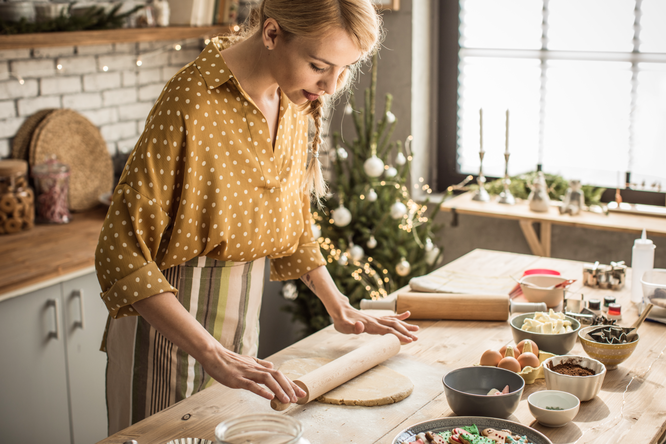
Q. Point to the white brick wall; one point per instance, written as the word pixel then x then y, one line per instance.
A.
pixel 102 82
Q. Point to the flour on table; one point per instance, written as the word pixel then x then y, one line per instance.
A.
pixel 378 386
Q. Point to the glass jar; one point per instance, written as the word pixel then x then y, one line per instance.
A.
pixel 52 185
pixel 17 200
pixel 269 428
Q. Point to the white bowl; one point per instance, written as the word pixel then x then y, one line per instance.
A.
pixel 534 288
pixel 583 387
pixel 553 408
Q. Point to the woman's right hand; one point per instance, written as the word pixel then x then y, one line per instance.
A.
pixel 245 372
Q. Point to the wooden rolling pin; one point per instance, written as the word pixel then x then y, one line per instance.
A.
pixel 453 306
pixel 337 372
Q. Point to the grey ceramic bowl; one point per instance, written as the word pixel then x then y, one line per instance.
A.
pixel 466 391
pixel 559 344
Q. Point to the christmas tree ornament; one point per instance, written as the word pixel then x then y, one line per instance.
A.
pixel 372 195
pixel 403 268
pixel 428 244
pixel 372 242
pixel 316 231
pixel 341 216
pixel 343 259
pixel 356 252
pixel 289 290
pixel 348 109
pixel 400 159
pixel 390 117
pixel 373 166
pixel 391 172
pixel 398 210
pixel 431 256
pixel 342 153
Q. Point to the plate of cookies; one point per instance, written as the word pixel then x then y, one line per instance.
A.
pixel 468 430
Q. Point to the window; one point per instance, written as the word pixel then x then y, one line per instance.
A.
pixel 584 82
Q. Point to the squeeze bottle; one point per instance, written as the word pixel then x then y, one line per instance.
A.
pixel 642 260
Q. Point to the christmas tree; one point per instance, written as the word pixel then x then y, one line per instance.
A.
pixel 373 235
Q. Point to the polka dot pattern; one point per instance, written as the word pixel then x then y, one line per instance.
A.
pixel 204 180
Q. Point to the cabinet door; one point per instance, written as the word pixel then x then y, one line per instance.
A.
pixel 33 378
pixel 85 319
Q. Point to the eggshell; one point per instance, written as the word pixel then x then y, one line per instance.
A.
pixel 510 363
pixel 490 358
pixel 528 359
pixel 521 344
pixel 516 352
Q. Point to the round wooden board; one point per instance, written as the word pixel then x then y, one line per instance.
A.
pixel 76 142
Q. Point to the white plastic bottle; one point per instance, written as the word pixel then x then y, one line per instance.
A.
pixel 642 260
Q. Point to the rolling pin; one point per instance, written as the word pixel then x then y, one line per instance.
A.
pixel 337 372
pixel 453 306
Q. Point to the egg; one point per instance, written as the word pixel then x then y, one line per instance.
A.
pixel 510 363
pixel 528 359
pixel 513 348
pixel 490 358
pixel 535 347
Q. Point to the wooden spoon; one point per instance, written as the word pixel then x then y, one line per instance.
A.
pixel 632 331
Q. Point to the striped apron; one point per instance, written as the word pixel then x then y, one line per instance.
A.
pixel 147 373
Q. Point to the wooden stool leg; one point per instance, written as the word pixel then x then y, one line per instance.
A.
pixel 539 247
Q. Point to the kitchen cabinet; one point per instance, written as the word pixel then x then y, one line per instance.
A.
pixel 52 377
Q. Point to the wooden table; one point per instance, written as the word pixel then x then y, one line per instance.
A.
pixel 631 407
pixel 540 245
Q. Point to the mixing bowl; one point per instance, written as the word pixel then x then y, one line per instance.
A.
pixel 558 344
pixel 611 355
pixel 583 387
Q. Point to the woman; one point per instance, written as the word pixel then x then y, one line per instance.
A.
pixel 216 183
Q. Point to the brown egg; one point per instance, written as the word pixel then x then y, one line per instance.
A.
pixel 490 358
pixel 528 359
pixel 535 347
pixel 516 352
pixel 510 363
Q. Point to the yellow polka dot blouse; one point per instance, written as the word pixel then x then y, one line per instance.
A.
pixel 204 180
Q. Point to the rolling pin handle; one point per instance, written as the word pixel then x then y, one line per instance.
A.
pixel 378 304
pixel 527 307
pixel 278 405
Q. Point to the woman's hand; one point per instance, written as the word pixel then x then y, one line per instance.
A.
pixel 348 320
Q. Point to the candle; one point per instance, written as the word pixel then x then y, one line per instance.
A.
pixel 481 129
pixel 507 132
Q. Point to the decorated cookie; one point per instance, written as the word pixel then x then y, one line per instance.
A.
pixel 434 438
pixel 499 436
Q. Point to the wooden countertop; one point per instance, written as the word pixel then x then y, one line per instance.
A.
pixel 629 408
pixel 48 252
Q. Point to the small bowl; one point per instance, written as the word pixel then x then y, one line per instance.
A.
pixel 552 298
pixel 654 287
pixel 553 408
pixel 610 355
pixel 466 391
pixel 559 344
pixel 583 387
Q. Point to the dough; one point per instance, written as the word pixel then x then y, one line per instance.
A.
pixel 378 386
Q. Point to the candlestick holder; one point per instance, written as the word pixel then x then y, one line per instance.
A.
pixel 481 195
pixel 505 197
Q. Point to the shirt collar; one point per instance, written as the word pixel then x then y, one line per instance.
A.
pixel 211 65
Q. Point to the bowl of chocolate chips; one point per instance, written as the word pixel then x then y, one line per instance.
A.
pixel 608 344
pixel 578 375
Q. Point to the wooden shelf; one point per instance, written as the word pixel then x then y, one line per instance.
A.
pixel 127 35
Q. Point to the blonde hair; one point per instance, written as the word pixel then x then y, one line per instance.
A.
pixel 295 17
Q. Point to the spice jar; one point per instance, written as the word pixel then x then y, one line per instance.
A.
pixel 17 200
pixel 52 185
pixel 251 429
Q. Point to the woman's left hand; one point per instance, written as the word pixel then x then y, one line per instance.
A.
pixel 349 320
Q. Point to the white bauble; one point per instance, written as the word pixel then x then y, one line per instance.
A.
pixel 391 172
pixel 356 252
pixel 400 159
pixel 348 109
pixel 372 242
pixel 390 117
pixel 342 153
pixel 343 260
pixel 316 232
pixel 372 195
pixel 398 210
pixel 289 290
pixel 403 268
pixel 431 255
pixel 341 216
pixel 428 244
pixel 374 167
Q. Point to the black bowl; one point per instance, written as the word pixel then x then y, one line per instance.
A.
pixel 559 344
pixel 466 391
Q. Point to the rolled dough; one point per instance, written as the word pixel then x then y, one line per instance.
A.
pixel 378 386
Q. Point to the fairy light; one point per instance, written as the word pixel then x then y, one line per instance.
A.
pixel 105 68
pixel 177 47
pixel 236 28
pixel 59 66
pixel 139 62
